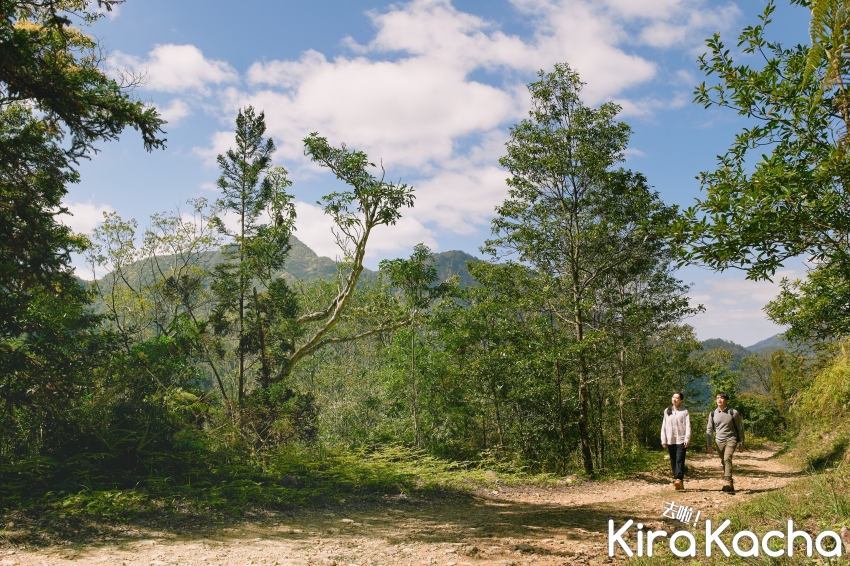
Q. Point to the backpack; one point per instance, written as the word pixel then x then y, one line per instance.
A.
pixel 734 414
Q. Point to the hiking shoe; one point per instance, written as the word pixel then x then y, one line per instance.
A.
pixel 678 484
pixel 728 486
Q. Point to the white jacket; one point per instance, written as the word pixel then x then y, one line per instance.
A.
pixel 676 428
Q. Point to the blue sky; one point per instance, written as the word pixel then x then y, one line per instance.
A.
pixel 430 87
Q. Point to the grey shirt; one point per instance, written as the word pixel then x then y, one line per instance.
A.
pixel 728 425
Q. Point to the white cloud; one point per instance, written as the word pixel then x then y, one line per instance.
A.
pixel 734 307
pixel 691 27
pixel 401 237
pixel 175 111
pixel 408 112
pixel 313 228
pixel 220 142
pixel 410 96
pixel 674 22
pixel 84 216
pixel 590 39
pixel 176 68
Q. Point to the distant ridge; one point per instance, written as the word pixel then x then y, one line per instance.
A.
pixel 738 352
pixel 453 262
pixel 303 264
pixel 776 342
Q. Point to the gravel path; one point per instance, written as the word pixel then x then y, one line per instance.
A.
pixel 564 524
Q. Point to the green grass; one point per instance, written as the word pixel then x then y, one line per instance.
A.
pixel 219 489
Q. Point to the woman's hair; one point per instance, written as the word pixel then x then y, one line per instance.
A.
pixel 681 398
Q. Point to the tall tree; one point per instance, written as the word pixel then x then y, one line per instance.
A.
pixel 56 104
pixel 416 278
pixel 762 209
pixel 249 188
pixel 571 214
pixel 369 202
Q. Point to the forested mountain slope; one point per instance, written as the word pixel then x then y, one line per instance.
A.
pixel 776 342
pixel 303 264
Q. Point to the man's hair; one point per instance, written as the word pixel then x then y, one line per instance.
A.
pixel 722 394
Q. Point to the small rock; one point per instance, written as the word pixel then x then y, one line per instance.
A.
pixel 349 521
pixel 490 475
pixel 524 547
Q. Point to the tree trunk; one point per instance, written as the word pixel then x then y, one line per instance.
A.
pixel 264 362
pixel 583 401
pixel 242 285
pixel 413 383
pixel 621 370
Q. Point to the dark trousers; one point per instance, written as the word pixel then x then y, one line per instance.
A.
pixel 677 460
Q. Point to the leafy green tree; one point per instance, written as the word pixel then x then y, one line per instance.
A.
pixel 370 202
pixel 641 303
pixel 761 209
pixel 721 377
pixel 416 278
pixel 250 187
pixel 816 309
pixel 571 215
pixel 159 289
pixel 56 105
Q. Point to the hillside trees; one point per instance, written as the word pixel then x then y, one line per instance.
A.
pixel 56 105
pixel 238 317
pixel 761 209
pixel 583 225
pixel 250 187
pixel 370 202
pixel 416 278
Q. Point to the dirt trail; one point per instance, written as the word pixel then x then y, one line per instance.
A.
pixel 565 524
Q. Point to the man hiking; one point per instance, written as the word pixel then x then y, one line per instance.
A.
pixel 725 424
pixel 676 436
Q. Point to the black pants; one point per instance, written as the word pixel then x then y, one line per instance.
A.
pixel 677 460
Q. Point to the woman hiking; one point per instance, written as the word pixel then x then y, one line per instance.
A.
pixel 675 437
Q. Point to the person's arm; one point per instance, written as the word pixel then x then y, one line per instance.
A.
pixel 664 429
pixel 709 431
pixel 687 429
